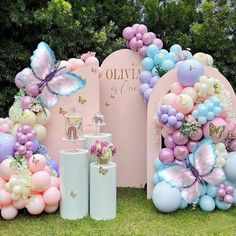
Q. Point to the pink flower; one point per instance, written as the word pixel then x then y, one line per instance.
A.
pixel 87 55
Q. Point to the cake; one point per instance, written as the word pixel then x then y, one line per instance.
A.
pixel 73 127
pixel 98 119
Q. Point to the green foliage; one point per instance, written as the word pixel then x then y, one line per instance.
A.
pixel 74 27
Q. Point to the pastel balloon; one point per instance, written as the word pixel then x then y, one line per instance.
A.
pixel 92 61
pixel 43 117
pixel 179 138
pixel 153 81
pixel 152 50
pixel 145 76
pixel 143 88
pixel 14 129
pixel 207 203
pixel 169 142
pixel 18 83
pixel 32 90
pixel 147 63
pixel 26 102
pixel 230 167
pixel 133 44
pixel 40 181
pixel 189 72
pixel 2 182
pixel 141 28
pixel 191 92
pixel 51 196
pixel 197 135
pixel 20 203
pixel 55 182
pixel 222 205
pixel 37 162
pixel 6 170
pixel 35 204
pixel 181 152
pixel 169 99
pixel 142 51
pixel 217 129
pixel 51 208
pixel 5 197
pixel 147 39
pixel 9 212
pixel 166 155
pixel 7 143
pixel 41 131
pixel 75 63
pixel 191 145
pixel 184 103
pixel 176 88
pixel 201 57
pixel 147 93
pixel 27 118
pixel 158 42
pixel 128 33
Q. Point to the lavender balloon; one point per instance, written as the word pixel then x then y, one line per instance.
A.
pixel 143 88
pixel 166 155
pixel 145 76
pixel 169 142
pixel 7 143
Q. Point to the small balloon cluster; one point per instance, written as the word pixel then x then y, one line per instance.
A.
pixel 203 58
pixel 5 125
pixel 197 153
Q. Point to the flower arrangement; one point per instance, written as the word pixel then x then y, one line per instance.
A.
pixel 102 151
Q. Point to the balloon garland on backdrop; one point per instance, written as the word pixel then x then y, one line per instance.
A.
pixel 155 60
pixel 29 178
pixel 197 165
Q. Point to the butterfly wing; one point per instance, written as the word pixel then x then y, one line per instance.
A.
pixel 66 84
pixel 204 157
pixel 177 175
pixel 216 176
pixel 48 98
pixel 191 193
pixel 42 61
pixel 28 78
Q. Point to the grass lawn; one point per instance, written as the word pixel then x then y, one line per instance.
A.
pixel 135 216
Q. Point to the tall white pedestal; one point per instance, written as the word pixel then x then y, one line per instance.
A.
pixel 74 183
pixel 103 191
pixel 90 139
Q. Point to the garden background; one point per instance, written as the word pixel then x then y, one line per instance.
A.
pixel 75 27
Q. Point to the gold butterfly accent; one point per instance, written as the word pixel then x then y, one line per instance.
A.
pixel 112 96
pixel 62 112
pixel 216 130
pixel 102 171
pixel 107 104
pixel 72 194
pixel 82 100
pixel 35 161
pixel 94 70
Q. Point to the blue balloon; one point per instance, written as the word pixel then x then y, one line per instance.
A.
pixel 167 65
pixel 217 111
pixel 203 190
pixel 152 50
pixel 183 204
pixel 159 58
pixel 222 205
pixel 230 167
pixel 155 72
pixel 164 51
pixel 207 203
pixel 210 115
pixel 176 48
pixel 202 110
pixel 211 190
pixel 215 100
pixel 202 120
pixel 209 105
pixel 171 56
pixel 195 113
pixel 166 198
pixel 147 63
pixel 155 179
pixel 158 164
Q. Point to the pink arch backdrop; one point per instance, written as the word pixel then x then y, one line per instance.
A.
pixel 160 89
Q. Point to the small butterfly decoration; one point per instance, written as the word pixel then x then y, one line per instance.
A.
pixel 218 131
pixel 195 171
pixel 81 100
pixel 72 194
pixel 112 96
pixel 102 171
pixel 35 161
pixel 107 104
pixel 62 112
pixel 48 76
pixel 94 70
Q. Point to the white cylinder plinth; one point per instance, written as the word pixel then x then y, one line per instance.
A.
pixel 103 191
pixel 74 183
pixel 90 139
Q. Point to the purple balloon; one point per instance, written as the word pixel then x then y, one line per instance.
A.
pixel 172 112
pixel 22 149
pixel 128 33
pixel 26 129
pixel 36 145
pixel 143 88
pixel 229 189
pixel 158 43
pixel 147 93
pixel 164 109
pixel 172 120
pixel 29 145
pixel 7 144
pixel 166 155
pixel 32 90
pixel 178 124
pixel 22 139
pixel 169 142
pixel 30 136
pixel 179 138
pixel 189 72
pixel 141 29
pixel 34 132
pixel 221 192
pixel 145 76
pixel 28 154
pixel 164 118
pixel 153 81
pixel 142 51
pixel 180 116
pixel 228 199
pixel 53 165
pixel 147 39
pixel 133 44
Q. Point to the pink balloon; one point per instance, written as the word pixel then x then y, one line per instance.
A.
pixel 142 51
pixel 164 133
pixel 152 35
pixel 30 136
pixel 51 208
pixel 147 39
pixel 28 154
pixel 5 197
pixel 169 98
pixel 26 129
pixel 55 182
pixel 133 44
pixel 228 199
pixel 191 145
pixel 169 142
pixel 26 102
pixel 22 150
pixel 176 88
pixel 19 204
pixel 6 171
pixel 138 36
pixel 197 135
pixel 166 155
pixel 181 152
pixel 141 29
pixel 40 181
pixel 179 138
pixel 51 196
pixel 35 204
pixel 232 145
pixel 47 169
pixel 37 162
pixel 9 212
pixel 158 43
pixel 18 83
pixel 29 145
pixel 218 130
pixel 2 182
pixel 75 63
pixel 128 33
pixel 139 43
pixel 92 61
pixel 191 92
pixel 184 103
pixel 32 90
